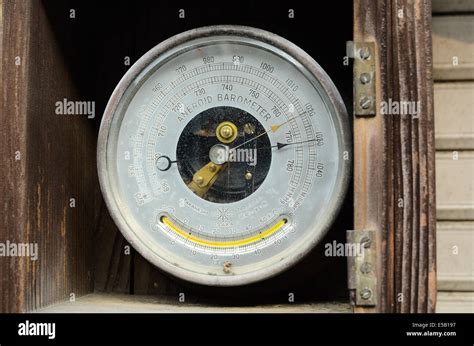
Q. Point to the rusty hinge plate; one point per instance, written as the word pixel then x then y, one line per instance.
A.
pixel 361 266
pixel 364 77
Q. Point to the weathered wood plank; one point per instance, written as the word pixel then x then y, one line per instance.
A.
pixel 455 185
pixel 454 115
pixel 394 154
pixel 61 165
pixel 453 6
pixel 117 303
pixel 13 193
pixel 455 302
pixel 455 256
pixel 57 164
pixel 453 47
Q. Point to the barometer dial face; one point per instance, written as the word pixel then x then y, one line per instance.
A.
pixel 223 155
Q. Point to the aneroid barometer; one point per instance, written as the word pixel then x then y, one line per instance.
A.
pixel 223 155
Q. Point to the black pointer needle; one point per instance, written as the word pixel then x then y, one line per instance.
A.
pixel 279 146
pixel 282 145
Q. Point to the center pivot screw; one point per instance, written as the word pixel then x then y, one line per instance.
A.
pixel 226 132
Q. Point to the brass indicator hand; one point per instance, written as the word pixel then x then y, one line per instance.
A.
pixel 205 177
pixel 273 128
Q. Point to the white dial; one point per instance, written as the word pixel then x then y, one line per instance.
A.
pixel 223 155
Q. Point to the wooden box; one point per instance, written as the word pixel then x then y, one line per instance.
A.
pixel 69 50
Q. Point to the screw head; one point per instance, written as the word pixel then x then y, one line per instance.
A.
pixel 365 102
pixel 226 131
pixel 364 53
pixel 366 293
pixel 365 78
pixel 366 242
pixel 248 176
pixel 199 180
pixel 227 266
pixel 366 268
pixel 212 168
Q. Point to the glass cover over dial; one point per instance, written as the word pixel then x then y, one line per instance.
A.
pixel 223 155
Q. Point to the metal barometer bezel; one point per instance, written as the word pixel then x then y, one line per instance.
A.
pixel 120 97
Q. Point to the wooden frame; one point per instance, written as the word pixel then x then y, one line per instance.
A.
pixel 394 177
pixel 394 174
pixel 47 159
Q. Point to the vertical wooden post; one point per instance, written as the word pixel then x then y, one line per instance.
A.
pixel 394 177
pixel 47 160
pixel 12 148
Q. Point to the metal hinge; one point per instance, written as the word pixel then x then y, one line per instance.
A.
pixel 363 54
pixel 361 266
